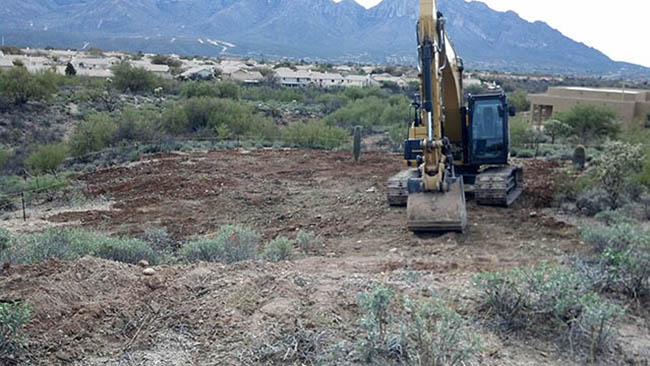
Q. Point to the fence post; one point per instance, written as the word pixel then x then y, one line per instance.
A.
pixel 22 199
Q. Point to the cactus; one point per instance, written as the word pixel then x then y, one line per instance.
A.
pixel 579 157
pixel 357 143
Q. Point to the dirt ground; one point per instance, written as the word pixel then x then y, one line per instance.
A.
pixel 97 312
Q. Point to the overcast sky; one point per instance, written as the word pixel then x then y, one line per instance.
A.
pixel 617 28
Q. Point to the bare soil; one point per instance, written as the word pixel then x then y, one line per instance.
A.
pixel 97 312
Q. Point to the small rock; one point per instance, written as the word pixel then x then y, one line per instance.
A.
pixel 148 272
pixel 331 255
pixel 533 214
pixel 394 250
pixel 371 190
pixel 143 263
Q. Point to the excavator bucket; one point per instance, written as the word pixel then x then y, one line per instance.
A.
pixel 438 211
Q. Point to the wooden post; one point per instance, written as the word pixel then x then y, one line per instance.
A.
pixel 22 198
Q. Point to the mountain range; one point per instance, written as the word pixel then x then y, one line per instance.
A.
pixel 309 29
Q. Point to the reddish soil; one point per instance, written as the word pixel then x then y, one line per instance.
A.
pixel 96 312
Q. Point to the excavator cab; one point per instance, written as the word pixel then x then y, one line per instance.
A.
pixel 487 133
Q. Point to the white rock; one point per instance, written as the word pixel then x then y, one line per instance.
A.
pixel 148 272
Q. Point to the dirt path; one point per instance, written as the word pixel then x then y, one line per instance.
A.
pixel 95 312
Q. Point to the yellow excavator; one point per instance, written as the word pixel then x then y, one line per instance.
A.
pixel 452 149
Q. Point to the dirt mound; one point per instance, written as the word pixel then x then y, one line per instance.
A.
pixel 539 181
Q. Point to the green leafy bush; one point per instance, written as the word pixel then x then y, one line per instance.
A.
pixel 518 127
pixel 614 167
pixel 195 89
pixel 589 122
pixel 159 239
pixel 519 100
pixel 67 244
pixel 12 318
pixel 232 244
pixel 552 301
pixel 279 249
pixel 314 134
pixel 555 129
pixel 127 78
pixel 174 119
pixel 5 155
pixel 47 158
pixel 19 86
pixel 92 134
pixel 135 125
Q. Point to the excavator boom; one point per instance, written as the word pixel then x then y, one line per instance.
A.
pixel 436 197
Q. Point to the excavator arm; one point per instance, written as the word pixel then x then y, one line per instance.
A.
pixel 436 200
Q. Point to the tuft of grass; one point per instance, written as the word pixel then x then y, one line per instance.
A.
pixel 307 241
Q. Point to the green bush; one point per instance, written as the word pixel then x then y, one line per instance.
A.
pixel 92 134
pixel 332 102
pixel 279 249
pixel 159 239
pixel 67 244
pixel 5 155
pixel 13 317
pixel 314 134
pixel 232 244
pixel 127 78
pixel 616 165
pixel 555 129
pixel 47 158
pixel 18 86
pixel 412 332
pixel 518 127
pixel 595 200
pixel 371 111
pixel 551 301
pixel 519 100
pixel 174 119
pixel 589 122
pixel 135 125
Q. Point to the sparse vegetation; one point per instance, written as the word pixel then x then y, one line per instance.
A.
pixel 18 86
pixel 47 158
pixel 231 244
pixel 278 249
pixel 314 134
pixel 307 241
pixel 68 244
pixel 553 301
pixel 13 316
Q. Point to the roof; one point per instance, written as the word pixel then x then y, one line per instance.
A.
pixel 247 76
pixel 356 77
pixel 326 76
pixel 604 90
pixel 150 67
pixel 283 72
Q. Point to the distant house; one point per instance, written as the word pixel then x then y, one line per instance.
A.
pixel 326 80
pixel 629 105
pixel 198 73
pixel 385 77
pixel 160 70
pixel 289 78
pixel 6 62
pixel 247 77
pixel 359 81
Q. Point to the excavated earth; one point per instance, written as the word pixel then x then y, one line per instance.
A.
pixel 98 312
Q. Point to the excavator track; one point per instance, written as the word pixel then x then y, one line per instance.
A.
pixel 397 191
pixel 499 186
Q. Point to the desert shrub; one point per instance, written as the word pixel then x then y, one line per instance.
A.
pixel 518 127
pixel 519 100
pixel 526 154
pixel 127 78
pixel 624 249
pixel 371 111
pixel 232 244
pixel 306 241
pixel 92 134
pixel 19 86
pixel 554 129
pixel 166 60
pixel 194 89
pixel 593 201
pixel 550 300
pixel 47 158
pixel 135 125
pixel 314 134
pixel 614 167
pixel 67 244
pixel 5 238
pixel 174 119
pixel 412 332
pixel 241 121
pixel 5 155
pixel 332 102
pixel 589 122
pixel 610 217
pixel 279 249
pixel 159 239
pixel 12 318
